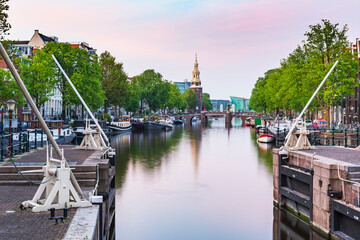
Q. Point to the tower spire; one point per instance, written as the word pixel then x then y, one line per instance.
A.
pixel 196 84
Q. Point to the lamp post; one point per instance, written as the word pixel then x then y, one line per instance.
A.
pixel 11 107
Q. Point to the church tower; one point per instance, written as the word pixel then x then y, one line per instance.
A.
pixel 196 84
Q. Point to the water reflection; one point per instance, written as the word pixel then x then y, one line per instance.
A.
pixel 194 133
pixel 264 151
pixel 287 226
pixel 196 182
pixel 148 148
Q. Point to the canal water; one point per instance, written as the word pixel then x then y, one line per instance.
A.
pixel 197 182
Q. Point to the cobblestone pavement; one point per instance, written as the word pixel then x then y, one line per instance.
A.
pixel 24 224
pixel 71 155
pixel 338 153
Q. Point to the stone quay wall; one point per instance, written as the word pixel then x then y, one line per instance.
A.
pixel 325 173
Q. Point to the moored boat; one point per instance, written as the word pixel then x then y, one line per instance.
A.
pixel 260 129
pixel 117 127
pixel 178 122
pixel 247 121
pixel 149 125
pixel 137 126
pixel 122 125
pixel 266 138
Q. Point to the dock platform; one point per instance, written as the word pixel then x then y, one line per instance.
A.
pixel 25 224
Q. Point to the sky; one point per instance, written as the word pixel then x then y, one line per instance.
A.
pixel 236 41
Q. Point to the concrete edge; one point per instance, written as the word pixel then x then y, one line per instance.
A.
pixel 83 224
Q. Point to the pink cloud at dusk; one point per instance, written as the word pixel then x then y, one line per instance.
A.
pixel 236 41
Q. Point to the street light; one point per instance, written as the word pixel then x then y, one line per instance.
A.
pixel 11 107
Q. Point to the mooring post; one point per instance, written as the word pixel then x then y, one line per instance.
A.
pixel 277 138
pixel 42 138
pixel 27 141
pixel 12 145
pixel 35 138
pixel 20 143
pixel 2 148
pixel 345 143
pixel 333 135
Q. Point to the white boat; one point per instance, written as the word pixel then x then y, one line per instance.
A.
pixel 279 126
pixel 266 138
pixel 122 124
pixel 166 121
pixel 265 146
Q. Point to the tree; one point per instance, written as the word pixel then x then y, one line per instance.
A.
pixel 132 98
pixel 153 89
pixel 290 86
pixel 113 80
pixel 39 77
pixel 326 40
pixel 176 99
pixel 9 88
pixel 84 71
pixel 191 99
pixel 206 102
pixel 4 25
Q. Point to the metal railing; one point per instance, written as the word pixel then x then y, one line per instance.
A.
pixel 20 142
pixel 347 137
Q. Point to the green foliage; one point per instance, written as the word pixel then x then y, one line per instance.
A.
pixel 113 80
pixel 4 25
pixel 153 89
pixel 191 99
pixel 133 98
pixel 290 86
pixel 105 116
pixel 206 102
pixel 39 77
pixel 83 70
pixel 9 88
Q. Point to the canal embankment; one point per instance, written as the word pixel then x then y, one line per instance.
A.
pixel 95 173
pixel 321 186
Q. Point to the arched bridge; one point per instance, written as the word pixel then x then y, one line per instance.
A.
pixel 204 116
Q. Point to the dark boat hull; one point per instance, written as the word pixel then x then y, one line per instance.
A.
pixel 178 122
pixel 157 126
pixel 137 126
pixel 153 126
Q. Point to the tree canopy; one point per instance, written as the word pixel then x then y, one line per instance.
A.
pixel 83 70
pixel 291 85
pixel 4 25
pixel 113 80
pixel 206 102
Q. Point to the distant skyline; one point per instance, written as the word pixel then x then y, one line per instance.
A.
pixel 236 41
